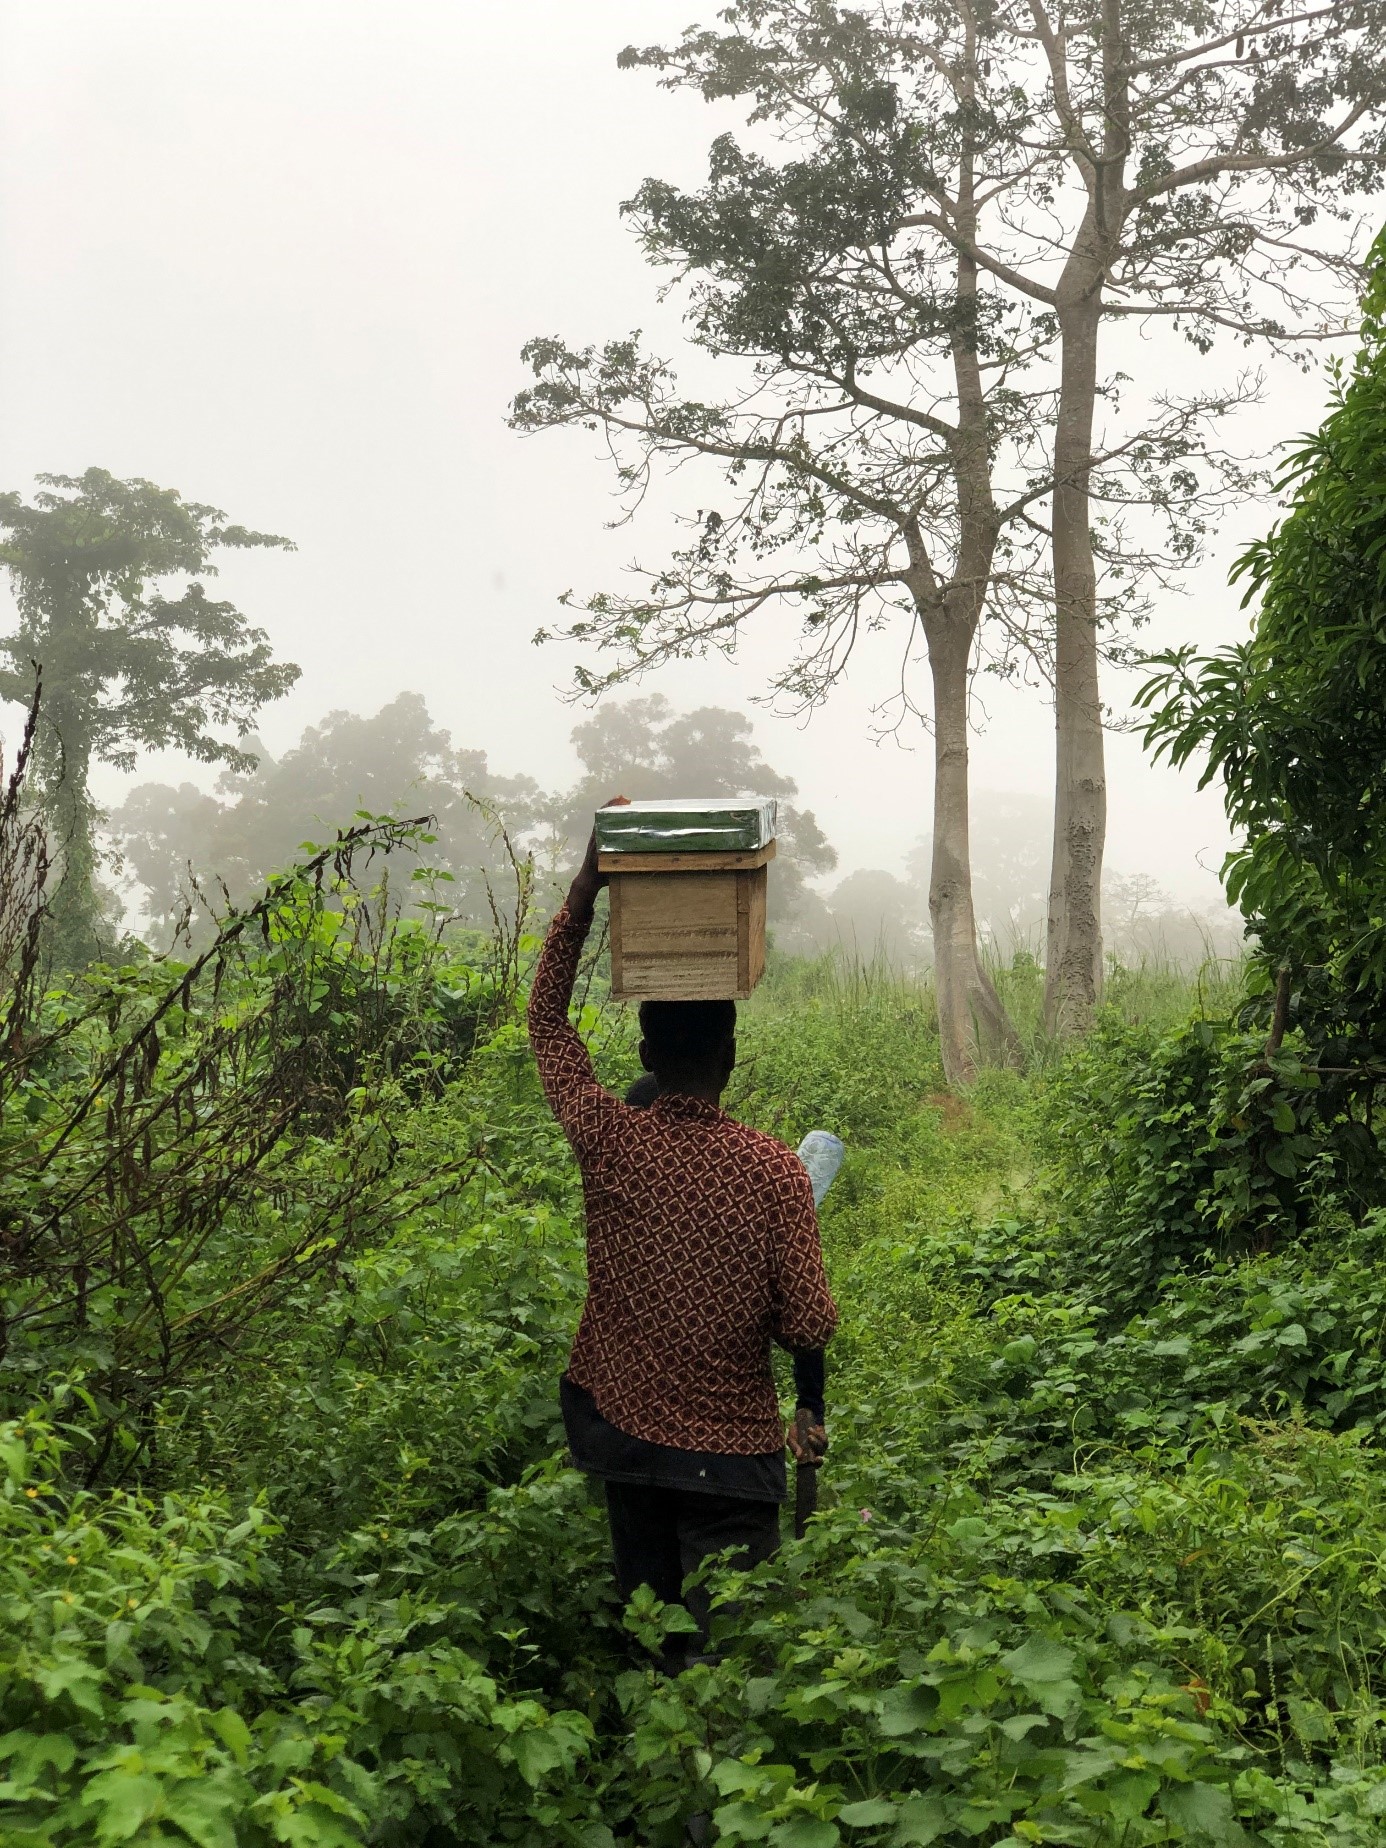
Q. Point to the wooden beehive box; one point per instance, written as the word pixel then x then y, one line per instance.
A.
pixel 687 926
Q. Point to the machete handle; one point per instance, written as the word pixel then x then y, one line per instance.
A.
pixel 805 1474
pixel 803 1425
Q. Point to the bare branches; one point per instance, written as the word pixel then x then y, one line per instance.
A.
pixel 984 259
pixel 884 294
pixel 1258 21
pixel 158 1121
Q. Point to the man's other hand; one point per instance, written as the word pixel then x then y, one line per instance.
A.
pixel 808 1442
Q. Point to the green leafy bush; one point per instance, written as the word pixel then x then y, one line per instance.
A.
pixel 1098 1560
pixel 1166 1149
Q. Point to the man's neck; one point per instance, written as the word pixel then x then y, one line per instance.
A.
pixel 705 1093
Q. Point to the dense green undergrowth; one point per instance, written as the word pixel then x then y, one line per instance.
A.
pixel 1099 1555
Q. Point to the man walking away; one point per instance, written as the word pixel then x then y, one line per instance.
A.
pixel 821 1153
pixel 702 1249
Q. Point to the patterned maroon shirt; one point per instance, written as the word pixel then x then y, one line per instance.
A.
pixel 702 1246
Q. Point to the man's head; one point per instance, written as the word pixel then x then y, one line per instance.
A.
pixel 690 1046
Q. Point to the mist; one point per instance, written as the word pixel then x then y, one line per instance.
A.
pixel 283 258
pixel 869 1330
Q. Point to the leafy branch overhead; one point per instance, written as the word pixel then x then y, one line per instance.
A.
pixel 914 137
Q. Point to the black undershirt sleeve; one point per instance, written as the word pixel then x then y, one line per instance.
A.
pixel 809 1382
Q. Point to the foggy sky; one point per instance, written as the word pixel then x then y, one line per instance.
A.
pixel 282 254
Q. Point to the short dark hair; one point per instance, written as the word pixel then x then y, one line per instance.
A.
pixel 683 1037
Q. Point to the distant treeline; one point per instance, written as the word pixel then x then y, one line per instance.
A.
pixel 173 844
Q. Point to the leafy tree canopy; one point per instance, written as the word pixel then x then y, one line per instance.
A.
pixel 129 665
pixel 134 654
pixel 394 762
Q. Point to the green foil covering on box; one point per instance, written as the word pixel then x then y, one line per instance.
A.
pixel 726 824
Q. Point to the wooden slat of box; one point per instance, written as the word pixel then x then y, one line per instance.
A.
pixel 739 862
pixel 687 936
pixel 752 890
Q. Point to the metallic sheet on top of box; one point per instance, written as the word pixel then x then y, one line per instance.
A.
pixel 735 824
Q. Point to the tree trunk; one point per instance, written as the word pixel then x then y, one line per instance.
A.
pixel 1073 960
pixel 62 761
pixel 973 1025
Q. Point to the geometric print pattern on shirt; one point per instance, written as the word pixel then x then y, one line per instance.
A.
pixel 702 1245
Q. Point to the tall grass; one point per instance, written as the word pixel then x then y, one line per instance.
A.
pixel 845 978
pixel 1156 989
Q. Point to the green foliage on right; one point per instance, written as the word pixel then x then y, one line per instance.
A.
pixel 1293 721
pixel 1196 1144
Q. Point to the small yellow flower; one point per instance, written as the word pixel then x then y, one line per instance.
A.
pixel 32 1494
pixel 72 1559
pixel 132 1604
pixel 67 1597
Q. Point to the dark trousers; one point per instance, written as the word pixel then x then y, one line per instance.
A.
pixel 658 1536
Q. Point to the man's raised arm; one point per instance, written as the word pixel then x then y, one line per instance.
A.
pixel 565 1068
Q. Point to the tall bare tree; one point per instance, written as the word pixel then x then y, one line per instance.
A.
pixel 889 445
pixel 878 399
pixel 1185 153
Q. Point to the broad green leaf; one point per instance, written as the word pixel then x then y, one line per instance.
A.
pixel 969 1531
pixel 543 1749
pixel 741 1822
pixel 123 1802
pixel 907 1710
pixel 32 1751
pixel 921 1820
pixel 233 1732
pixel 207 1811
pixel 870 1811
pixel 1020 1724
pixel 1206 1808
pixel 77 1679
pixel 805 1832
pixel 329 1799
pixel 1309 1719
pixel 729 1776
pixel 1128 1794
pixel 313 1826
pixel 1039 1661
